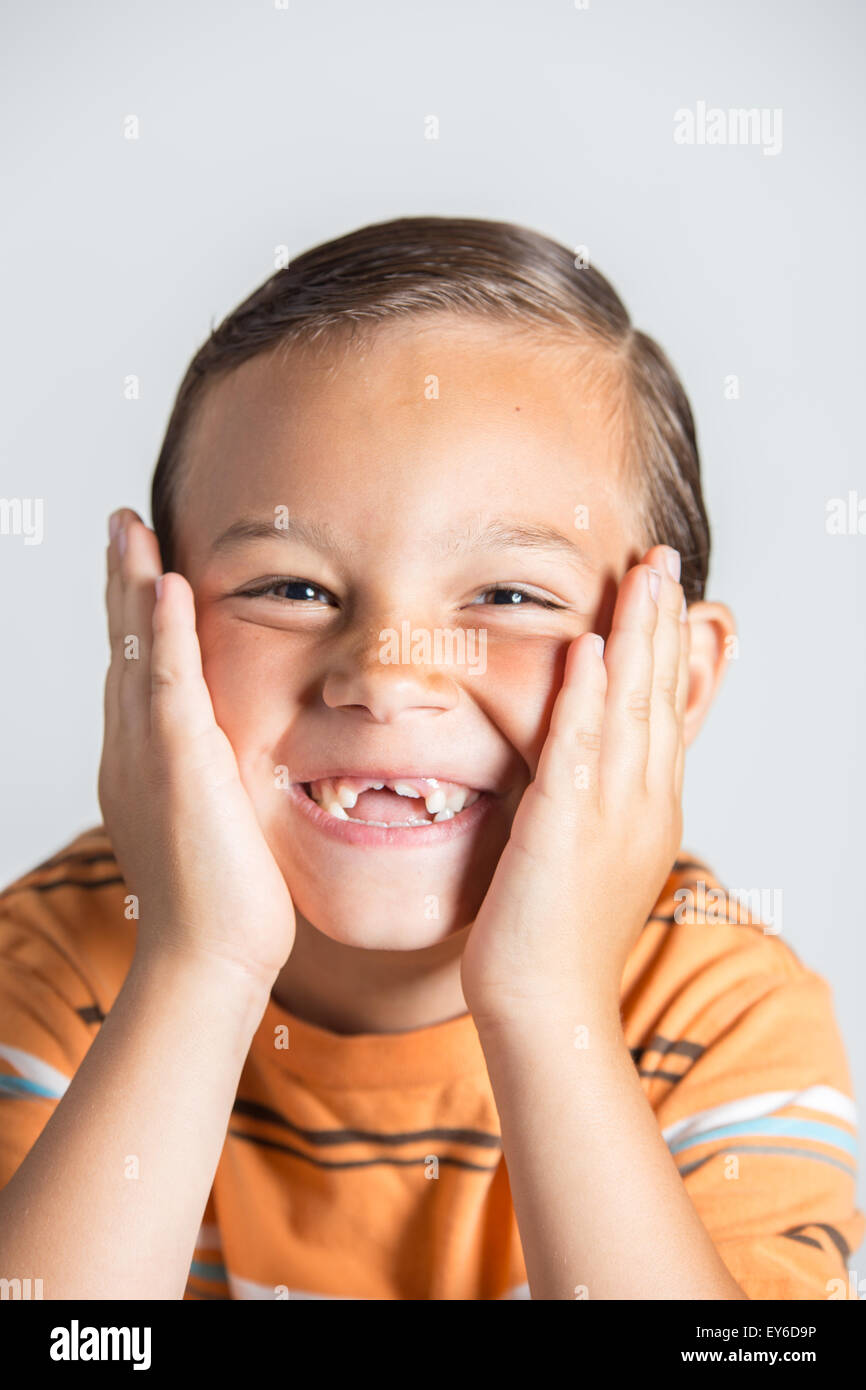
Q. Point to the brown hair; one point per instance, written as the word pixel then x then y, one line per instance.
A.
pixel 493 270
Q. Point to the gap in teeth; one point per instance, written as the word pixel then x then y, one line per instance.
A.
pixel 336 796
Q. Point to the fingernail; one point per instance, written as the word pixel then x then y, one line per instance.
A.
pixel 121 541
pixel 599 643
pixel 157 584
pixel 674 563
pixel 113 525
pixel 655 581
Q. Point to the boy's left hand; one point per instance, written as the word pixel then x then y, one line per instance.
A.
pixel 598 829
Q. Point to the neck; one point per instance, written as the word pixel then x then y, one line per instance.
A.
pixel 347 989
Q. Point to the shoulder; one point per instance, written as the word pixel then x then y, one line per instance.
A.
pixel 712 976
pixel 739 1053
pixel 65 949
pixel 67 922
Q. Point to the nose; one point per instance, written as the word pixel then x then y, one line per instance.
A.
pixel 380 678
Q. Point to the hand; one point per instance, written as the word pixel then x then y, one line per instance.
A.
pixel 598 829
pixel 180 821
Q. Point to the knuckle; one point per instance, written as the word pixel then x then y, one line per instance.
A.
pixel 586 740
pixel 637 704
pixel 163 678
pixel 666 688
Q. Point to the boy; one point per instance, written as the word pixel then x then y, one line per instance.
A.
pixel 376 982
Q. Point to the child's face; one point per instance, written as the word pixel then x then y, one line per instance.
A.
pixel 407 499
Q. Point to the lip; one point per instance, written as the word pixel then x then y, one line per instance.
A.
pixel 377 836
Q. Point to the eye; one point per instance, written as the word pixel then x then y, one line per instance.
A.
pixel 507 596
pixel 299 591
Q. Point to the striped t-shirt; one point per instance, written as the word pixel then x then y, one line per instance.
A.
pixel 370 1166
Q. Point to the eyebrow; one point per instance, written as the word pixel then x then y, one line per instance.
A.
pixel 252 528
pixel 494 535
pixel 509 535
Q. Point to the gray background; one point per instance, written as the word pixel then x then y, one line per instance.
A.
pixel 262 127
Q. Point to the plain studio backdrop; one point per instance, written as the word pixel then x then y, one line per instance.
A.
pixel 263 126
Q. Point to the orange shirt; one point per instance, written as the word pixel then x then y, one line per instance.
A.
pixel 370 1166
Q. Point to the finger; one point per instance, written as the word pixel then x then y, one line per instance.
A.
pixel 140 566
pixel 112 609
pixel 114 585
pixel 570 757
pixel 180 702
pixel 682 701
pixel 664 724
pixel 629 661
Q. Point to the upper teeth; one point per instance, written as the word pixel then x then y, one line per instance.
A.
pixel 442 799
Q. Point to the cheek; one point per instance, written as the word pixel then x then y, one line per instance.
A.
pixel 518 690
pixel 249 682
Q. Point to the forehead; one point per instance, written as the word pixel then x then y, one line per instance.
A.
pixel 410 425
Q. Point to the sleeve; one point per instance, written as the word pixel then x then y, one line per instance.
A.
pixel 49 1016
pixel 759 1116
pixel 48 1019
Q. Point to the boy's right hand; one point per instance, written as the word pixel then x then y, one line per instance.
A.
pixel 180 821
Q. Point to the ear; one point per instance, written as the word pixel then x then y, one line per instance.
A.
pixel 713 640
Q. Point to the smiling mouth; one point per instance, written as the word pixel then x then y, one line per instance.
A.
pixel 392 803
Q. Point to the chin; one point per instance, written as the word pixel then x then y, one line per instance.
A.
pixel 392 917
